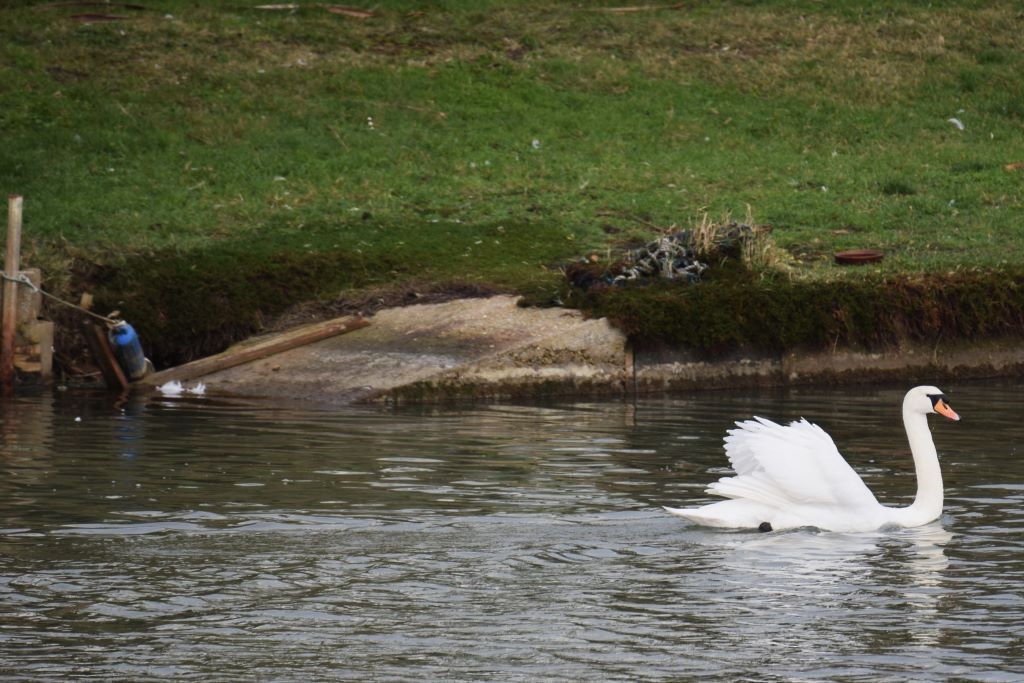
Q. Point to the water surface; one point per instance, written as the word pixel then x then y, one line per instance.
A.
pixel 197 539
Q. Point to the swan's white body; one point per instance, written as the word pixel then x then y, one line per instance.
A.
pixel 790 476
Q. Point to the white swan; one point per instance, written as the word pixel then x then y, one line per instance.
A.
pixel 793 476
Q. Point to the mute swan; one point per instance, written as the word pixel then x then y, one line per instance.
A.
pixel 793 476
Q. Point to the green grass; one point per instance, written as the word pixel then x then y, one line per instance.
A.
pixel 154 144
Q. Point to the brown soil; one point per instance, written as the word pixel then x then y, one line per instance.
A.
pixel 368 301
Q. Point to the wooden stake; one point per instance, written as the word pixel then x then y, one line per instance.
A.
pixel 12 265
pixel 103 356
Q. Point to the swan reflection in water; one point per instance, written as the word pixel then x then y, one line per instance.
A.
pixel 867 582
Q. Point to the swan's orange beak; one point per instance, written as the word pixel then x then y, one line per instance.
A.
pixel 942 408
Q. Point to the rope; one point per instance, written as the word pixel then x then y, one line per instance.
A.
pixel 670 257
pixel 23 280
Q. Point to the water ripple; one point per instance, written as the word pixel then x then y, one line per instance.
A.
pixel 519 543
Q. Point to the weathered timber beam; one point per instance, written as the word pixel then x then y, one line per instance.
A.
pixel 248 352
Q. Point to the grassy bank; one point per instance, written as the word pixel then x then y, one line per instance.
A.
pixel 193 153
pixel 779 314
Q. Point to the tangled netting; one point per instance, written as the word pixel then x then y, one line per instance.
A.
pixel 670 257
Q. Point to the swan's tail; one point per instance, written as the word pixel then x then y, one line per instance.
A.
pixel 727 514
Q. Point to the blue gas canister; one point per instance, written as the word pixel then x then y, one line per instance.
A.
pixel 128 350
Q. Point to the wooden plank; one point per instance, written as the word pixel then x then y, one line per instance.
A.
pixel 258 349
pixel 103 356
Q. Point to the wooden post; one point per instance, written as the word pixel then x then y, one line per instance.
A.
pixel 12 267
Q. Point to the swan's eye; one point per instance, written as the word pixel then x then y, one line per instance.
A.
pixel 936 399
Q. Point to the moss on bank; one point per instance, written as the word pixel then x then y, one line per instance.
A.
pixel 190 305
pixel 193 304
pixel 741 311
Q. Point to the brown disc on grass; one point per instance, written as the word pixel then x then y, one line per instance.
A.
pixel 855 257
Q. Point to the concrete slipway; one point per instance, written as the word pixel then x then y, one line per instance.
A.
pixel 490 348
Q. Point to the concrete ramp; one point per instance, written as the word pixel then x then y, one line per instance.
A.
pixel 493 349
pixel 468 348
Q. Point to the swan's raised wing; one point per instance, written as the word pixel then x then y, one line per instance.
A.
pixel 782 465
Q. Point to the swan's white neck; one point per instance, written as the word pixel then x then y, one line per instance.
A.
pixel 927 505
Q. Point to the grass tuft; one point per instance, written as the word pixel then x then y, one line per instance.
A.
pixel 898 188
